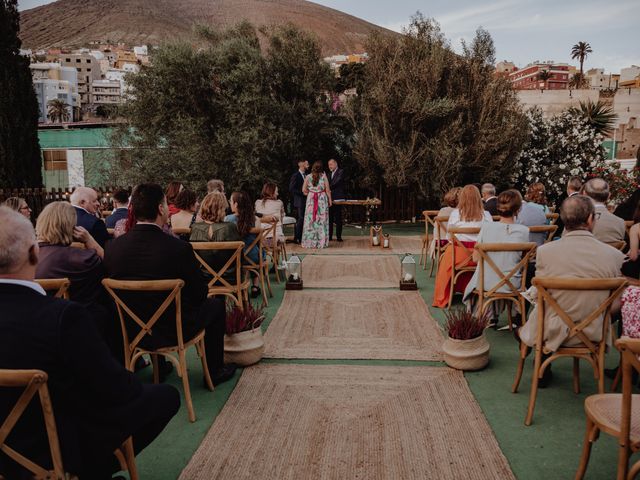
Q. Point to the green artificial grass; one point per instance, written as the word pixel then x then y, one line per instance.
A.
pixel 550 448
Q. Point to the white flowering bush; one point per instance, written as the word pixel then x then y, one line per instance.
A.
pixel 558 148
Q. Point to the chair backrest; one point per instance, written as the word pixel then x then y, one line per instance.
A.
pixel 173 287
pixel 620 245
pixel 484 250
pixel 614 286
pixel 550 230
pixel 495 218
pixel 553 217
pixel 34 381
pixel 233 264
pixel 630 350
pixel 456 242
pixel 257 242
pixel 429 216
pixel 441 222
pixel 269 237
pixel 59 285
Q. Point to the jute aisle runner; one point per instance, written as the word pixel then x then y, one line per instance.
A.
pixel 383 324
pixel 340 422
pixel 351 271
pixel 360 245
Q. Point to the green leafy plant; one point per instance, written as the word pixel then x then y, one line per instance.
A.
pixel 241 320
pixel 598 114
pixel 464 325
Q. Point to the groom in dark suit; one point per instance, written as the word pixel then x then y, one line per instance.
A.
pixel 336 182
pixel 298 199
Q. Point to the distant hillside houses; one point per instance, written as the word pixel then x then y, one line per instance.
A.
pixel 335 61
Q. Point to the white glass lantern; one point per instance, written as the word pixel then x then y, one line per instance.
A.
pixel 408 273
pixel 294 273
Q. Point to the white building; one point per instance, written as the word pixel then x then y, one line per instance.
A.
pixel 106 92
pixel 598 80
pixel 629 73
pixel 53 81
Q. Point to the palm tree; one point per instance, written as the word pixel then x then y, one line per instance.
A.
pixel 580 51
pixel 58 110
pixel 544 76
pixel 599 115
pixel 578 81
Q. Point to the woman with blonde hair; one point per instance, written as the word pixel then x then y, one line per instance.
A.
pixel 56 229
pixel 470 213
pixel 19 205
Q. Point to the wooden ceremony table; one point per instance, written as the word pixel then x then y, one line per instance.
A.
pixel 370 205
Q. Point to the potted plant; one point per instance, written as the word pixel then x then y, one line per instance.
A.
pixel 243 342
pixel 466 346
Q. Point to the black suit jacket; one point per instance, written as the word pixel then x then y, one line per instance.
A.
pixel 117 214
pixel 90 390
pixel 336 183
pixel 147 253
pixel 491 206
pixel 298 198
pixel 93 224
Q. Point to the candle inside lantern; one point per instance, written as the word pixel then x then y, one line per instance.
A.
pixel 408 277
pixel 386 243
pixel 376 240
pixel 295 276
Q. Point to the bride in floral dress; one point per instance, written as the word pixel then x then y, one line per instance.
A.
pixel 315 233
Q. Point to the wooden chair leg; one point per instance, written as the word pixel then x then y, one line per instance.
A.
pixel 617 379
pixel 156 368
pixel 185 385
pixel 623 461
pixel 202 352
pixel 265 302
pixel 586 450
pixel 534 387
pixel 576 375
pixel 433 262
pixel 523 357
pixel 268 279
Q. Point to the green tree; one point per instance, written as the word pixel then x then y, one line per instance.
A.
pixel 429 119
pixel 20 160
pixel 544 76
pixel 580 51
pixel 58 110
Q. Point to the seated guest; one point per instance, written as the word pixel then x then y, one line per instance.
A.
pixel 173 189
pixel 531 215
pixel 574 187
pixel 85 201
pixel 489 199
pixel 120 208
pixel 626 209
pixel 536 196
pixel 19 205
pixel 632 267
pixel 97 403
pixel 579 255
pixel 608 228
pixel 126 224
pixel 244 217
pixel 215 185
pixel 187 203
pixel 270 206
pixel 212 228
pixel 147 253
pixel 504 231
pixel 470 213
pixel 450 201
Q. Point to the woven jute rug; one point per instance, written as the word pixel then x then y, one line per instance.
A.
pixel 360 245
pixel 338 422
pixel 351 271
pixel 382 324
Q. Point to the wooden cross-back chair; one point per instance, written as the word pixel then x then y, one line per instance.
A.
pixel 230 280
pixel 486 263
pixel 552 217
pixel 627 225
pixel 261 267
pixel 58 285
pixel 35 383
pixel 440 225
pixel 495 218
pixel 619 245
pixel 588 350
pixel 616 414
pixel 467 265
pixel 428 215
pixel 273 248
pixel 550 230
pixel 133 348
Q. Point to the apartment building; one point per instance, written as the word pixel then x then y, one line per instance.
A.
pixel 53 81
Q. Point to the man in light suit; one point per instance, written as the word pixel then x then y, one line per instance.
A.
pixel 298 198
pixel 580 255
pixel 609 228
pixel 336 182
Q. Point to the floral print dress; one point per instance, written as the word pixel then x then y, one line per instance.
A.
pixel 315 233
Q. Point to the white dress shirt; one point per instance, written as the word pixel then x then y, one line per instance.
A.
pixel 24 283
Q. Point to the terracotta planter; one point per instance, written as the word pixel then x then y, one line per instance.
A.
pixel 470 354
pixel 244 348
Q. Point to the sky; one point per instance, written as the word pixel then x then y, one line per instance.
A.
pixel 523 30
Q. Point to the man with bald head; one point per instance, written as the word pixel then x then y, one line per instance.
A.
pixel 577 254
pixel 608 228
pixel 85 201
pixel 97 403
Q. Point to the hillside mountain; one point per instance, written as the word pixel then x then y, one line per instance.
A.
pixel 76 23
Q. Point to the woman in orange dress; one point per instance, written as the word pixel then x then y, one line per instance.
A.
pixel 470 213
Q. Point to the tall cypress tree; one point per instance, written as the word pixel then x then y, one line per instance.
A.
pixel 19 148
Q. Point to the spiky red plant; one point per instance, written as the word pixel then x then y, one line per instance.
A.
pixel 239 320
pixel 464 325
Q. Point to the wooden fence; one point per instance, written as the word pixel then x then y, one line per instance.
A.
pixel 398 204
